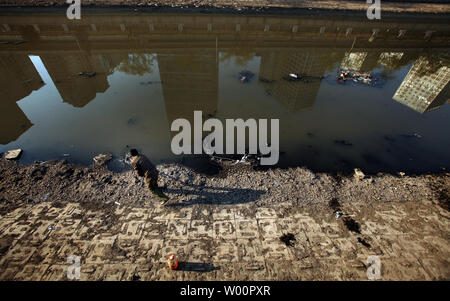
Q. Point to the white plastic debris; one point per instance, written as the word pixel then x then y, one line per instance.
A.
pixel 293 75
pixel 117 203
pixel 359 174
pixel 13 154
pixel 102 159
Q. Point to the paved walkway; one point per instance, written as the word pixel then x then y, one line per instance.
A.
pixel 228 242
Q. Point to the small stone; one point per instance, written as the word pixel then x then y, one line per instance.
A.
pixel 102 159
pixel 359 174
pixel 13 154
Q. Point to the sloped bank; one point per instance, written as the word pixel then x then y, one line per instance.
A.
pixel 95 185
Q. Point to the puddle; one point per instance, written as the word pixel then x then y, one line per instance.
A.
pixel 115 82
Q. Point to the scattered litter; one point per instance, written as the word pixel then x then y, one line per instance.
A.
pixel 102 159
pixel 338 214
pixel 43 162
pixel 51 228
pixel 172 261
pixel 288 239
pixel 401 174
pixel 245 76
pixel 366 78
pixel 359 174
pixel 13 154
pixel 66 155
pixel 299 77
pixel 117 203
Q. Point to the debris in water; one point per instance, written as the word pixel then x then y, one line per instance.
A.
pixel 366 78
pixel 149 83
pixel 343 142
pixel 13 154
pixel 415 135
pixel 287 239
pixel 66 155
pixel 352 225
pixel 245 76
pixel 266 81
pixel 87 74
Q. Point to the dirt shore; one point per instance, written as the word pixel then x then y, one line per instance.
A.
pixel 224 227
pixel 336 5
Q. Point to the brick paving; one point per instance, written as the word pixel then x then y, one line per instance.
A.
pixel 222 242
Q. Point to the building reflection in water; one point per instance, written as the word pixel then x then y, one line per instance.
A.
pixel 79 90
pixel 18 78
pixel 187 50
pixel 295 96
pixel 189 83
pixel 423 90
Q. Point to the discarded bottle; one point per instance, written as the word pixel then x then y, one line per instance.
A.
pixel 172 262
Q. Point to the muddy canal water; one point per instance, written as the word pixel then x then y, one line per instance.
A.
pixel 145 70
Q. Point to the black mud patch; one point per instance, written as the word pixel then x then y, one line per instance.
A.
pixel 364 242
pixel 288 239
pixel 442 193
pixel 334 204
pixel 352 225
pixel 5 244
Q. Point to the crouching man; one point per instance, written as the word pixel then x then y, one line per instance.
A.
pixel 144 168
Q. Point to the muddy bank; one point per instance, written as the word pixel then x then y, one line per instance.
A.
pixel 96 186
pixel 238 5
pixel 248 225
